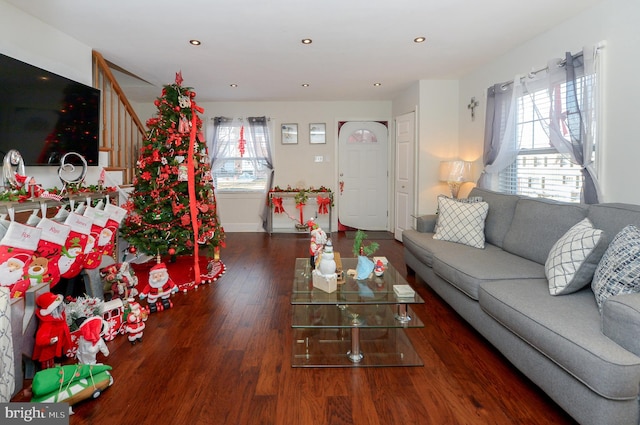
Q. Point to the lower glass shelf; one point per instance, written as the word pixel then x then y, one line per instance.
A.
pixel 332 348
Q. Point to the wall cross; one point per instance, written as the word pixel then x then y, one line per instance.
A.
pixel 473 105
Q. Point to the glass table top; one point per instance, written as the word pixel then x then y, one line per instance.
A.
pixel 374 290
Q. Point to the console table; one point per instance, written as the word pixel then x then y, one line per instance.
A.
pixel 285 221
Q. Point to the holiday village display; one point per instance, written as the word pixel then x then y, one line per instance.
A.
pixel 172 209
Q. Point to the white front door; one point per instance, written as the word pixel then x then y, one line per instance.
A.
pixel 363 175
pixel 404 173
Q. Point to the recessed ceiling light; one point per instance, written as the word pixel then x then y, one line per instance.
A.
pixel 307 41
pixel 305 84
pixel 195 42
pixel 233 85
pixel 377 84
pixel 419 39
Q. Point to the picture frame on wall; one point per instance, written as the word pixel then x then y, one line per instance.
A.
pixel 317 133
pixel 289 134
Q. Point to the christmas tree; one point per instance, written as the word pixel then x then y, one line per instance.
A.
pixel 172 209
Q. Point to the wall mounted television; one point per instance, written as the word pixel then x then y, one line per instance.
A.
pixel 44 115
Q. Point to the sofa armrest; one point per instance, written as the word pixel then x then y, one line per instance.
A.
pixel 426 223
pixel 621 321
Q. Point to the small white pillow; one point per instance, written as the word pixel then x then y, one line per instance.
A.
pixel 573 259
pixel 461 222
pixel 619 269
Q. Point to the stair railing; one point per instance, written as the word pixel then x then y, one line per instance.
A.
pixel 122 131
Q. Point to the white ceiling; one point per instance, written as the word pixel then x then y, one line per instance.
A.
pixel 257 43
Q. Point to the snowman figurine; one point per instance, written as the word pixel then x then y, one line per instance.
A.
pixel 327 266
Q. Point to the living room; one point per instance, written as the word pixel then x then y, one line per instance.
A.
pixel 445 130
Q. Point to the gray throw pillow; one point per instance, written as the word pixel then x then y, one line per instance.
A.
pixel 619 269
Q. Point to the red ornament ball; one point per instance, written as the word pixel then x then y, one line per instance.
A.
pixel 133 249
pixel 172 251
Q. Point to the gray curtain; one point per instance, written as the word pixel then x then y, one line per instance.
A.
pixel 501 146
pixel 260 125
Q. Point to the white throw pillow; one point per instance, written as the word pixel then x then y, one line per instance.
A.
pixel 461 222
pixel 573 259
pixel 619 270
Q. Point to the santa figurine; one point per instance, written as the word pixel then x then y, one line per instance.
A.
pixel 318 239
pixel 134 324
pixel 159 289
pixel 90 341
pixel 53 337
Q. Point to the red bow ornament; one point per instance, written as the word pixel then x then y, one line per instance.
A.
pixel 277 205
pixel 323 204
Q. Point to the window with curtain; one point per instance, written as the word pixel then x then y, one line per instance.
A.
pixel 539 169
pixel 540 135
pixel 241 154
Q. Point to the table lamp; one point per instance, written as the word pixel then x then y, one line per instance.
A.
pixel 455 173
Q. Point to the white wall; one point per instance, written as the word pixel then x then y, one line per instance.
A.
pixel 612 21
pixel 294 164
pixel 30 40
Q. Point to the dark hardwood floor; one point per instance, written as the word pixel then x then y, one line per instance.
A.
pixel 222 355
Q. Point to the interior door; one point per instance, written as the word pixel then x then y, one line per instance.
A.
pixel 364 178
pixel 404 173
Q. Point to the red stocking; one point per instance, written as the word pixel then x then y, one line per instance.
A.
pixel 53 237
pixel 16 253
pixel 72 258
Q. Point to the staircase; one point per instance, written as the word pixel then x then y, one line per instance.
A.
pixel 122 132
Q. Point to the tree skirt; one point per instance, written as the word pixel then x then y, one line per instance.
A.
pixel 181 271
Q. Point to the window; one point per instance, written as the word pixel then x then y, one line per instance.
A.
pixel 241 155
pixel 542 136
pixel 539 169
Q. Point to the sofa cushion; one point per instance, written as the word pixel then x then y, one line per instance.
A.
pixel 621 321
pixel 612 218
pixel 467 268
pixel 566 330
pixel 420 245
pixel 461 222
pixel 502 206
pixel 619 269
pixel 537 224
pixel 573 259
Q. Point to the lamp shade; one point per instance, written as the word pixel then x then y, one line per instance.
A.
pixel 455 171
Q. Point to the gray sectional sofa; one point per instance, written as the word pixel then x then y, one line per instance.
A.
pixel 585 358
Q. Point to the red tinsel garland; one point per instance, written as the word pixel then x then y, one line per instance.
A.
pixel 241 142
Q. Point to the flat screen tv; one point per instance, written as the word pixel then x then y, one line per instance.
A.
pixel 44 115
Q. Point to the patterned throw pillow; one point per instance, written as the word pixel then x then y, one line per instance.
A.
pixel 619 270
pixel 461 222
pixel 573 259
pixel 468 200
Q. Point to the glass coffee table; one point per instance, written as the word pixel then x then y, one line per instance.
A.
pixel 361 324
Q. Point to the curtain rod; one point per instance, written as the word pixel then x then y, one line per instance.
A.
pixel 533 73
pixel 239 118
